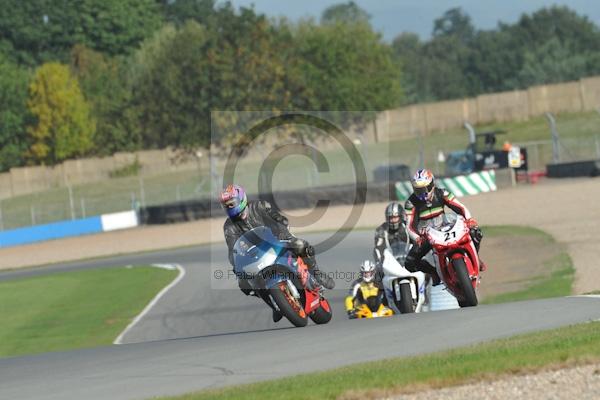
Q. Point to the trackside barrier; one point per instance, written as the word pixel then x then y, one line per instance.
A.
pixel 77 227
pixel 288 200
pixel 462 185
pixel 574 169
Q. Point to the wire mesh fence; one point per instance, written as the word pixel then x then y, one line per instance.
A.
pixel 104 197
pixel 541 152
pixel 291 173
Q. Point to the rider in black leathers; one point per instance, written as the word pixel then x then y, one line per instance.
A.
pixel 245 215
pixel 392 232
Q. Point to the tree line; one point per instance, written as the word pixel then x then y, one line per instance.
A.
pixel 93 77
pixel 549 46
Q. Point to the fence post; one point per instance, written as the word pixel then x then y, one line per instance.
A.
pixel 142 192
pixel 537 156
pixel 555 143
pixel 72 206
pixel 32 210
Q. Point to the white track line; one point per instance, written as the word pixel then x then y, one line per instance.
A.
pixel 119 338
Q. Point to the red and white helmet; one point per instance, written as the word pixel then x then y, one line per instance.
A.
pixel 423 184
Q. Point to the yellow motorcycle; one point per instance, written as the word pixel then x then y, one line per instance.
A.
pixel 368 302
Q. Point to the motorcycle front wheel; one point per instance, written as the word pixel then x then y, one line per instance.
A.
pixel 470 297
pixel 405 304
pixel 289 306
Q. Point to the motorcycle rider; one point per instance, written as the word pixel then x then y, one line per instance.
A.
pixel 392 232
pixel 425 203
pixel 368 273
pixel 244 215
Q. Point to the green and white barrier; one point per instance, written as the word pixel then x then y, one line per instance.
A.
pixel 462 185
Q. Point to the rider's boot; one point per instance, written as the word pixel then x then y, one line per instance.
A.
pixel 277 315
pixel 482 265
pixel 426 267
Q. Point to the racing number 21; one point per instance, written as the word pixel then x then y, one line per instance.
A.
pixel 449 235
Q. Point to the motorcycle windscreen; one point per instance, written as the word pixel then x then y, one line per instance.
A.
pixel 391 266
pixel 256 250
pixel 448 233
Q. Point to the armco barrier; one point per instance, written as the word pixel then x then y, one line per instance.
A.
pixel 462 185
pixel 77 227
pixel 335 195
pixel 573 169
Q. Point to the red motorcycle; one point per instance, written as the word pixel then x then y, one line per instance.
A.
pixel 457 258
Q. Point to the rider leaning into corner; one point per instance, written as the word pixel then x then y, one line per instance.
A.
pixel 246 215
pixel 426 203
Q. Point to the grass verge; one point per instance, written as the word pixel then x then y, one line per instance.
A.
pixel 524 353
pixel 558 282
pixel 515 230
pixel 71 310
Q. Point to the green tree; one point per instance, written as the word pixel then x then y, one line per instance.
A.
pixel 408 50
pixel 179 11
pixel 44 30
pixel 454 22
pixel 561 23
pixel 105 84
pixel 13 114
pixel 494 61
pixel 550 63
pixel 238 62
pixel 63 127
pixel 550 45
pixel 346 67
pixel 348 12
pixel 343 67
pixel 170 87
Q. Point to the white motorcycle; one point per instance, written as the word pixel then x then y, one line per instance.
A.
pixel 406 292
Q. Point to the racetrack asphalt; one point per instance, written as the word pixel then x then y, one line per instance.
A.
pixel 201 335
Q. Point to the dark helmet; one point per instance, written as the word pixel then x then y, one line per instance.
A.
pixel 394 215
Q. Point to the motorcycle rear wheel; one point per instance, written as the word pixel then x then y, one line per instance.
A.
pixel 289 306
pixel 470 297
pixel 405 305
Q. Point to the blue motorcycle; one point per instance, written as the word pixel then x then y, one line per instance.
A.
pixel 279 277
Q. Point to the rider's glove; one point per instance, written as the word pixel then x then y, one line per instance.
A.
pixel 352 314
pixel 420 240
pixel 472 223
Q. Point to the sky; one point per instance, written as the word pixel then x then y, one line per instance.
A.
pixel 392 17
